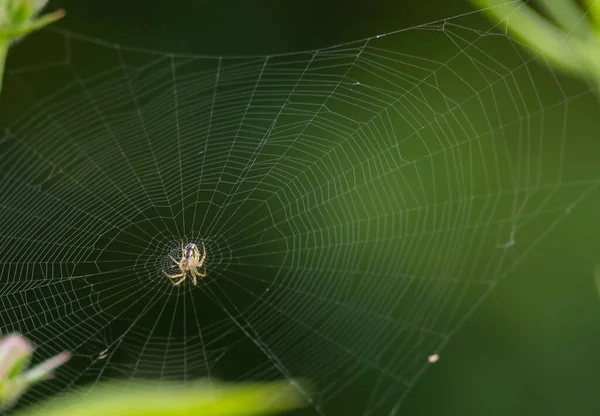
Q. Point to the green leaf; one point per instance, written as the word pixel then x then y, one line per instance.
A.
pixel 19 367
pixel 535 31
pixel 10 391
pixel 593 9
pixel 21 13
pixel 11 32
pixel 19 27
pixel 568 15
pixel 176 399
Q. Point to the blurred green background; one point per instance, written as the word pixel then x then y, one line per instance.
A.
pixel 531 346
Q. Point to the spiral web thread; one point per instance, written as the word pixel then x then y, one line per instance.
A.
pixel 357 203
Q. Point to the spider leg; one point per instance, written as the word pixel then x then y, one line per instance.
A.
pixel 196 273
pixel 178 283
pixel 203 274
pixel 173 276
pixel 175 261
pixel 203 259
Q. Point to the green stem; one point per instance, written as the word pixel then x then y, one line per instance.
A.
pixel 542 36
pixel 568 15
pixel 594 10
pixel 3 53
pixel 15 32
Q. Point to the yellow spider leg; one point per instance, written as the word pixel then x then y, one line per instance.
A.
pixel 175 261
pixel 196 273
pixel 199 274
pixel 203 259
pixel 177 283
pixel 173 276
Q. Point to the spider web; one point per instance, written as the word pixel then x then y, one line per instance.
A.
pixel 357 203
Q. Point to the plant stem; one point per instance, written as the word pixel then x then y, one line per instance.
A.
pixel 540 35
pixel 593 8
pixel 3 53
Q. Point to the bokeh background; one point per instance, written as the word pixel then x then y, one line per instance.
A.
pixel 532 346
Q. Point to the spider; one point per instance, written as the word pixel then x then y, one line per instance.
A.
pixel 190 262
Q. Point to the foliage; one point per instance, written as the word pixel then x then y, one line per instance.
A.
pixel 564 34
pixel 175 399
pixel 140 398
pixel 17 19
pixel 15 379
